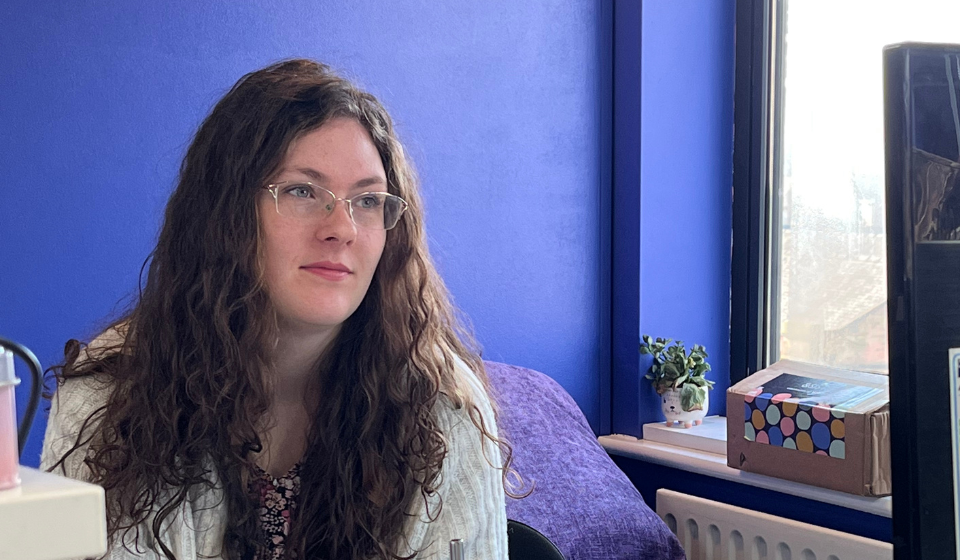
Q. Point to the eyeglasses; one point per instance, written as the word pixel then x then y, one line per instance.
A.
pixel 309 203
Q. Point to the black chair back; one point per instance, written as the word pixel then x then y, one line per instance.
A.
pixel 526 543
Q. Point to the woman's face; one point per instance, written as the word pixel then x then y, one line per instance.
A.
pixel 317 270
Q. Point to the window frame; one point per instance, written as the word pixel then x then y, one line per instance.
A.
pixel 755 258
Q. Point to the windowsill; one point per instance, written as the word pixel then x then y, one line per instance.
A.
pixel 699 461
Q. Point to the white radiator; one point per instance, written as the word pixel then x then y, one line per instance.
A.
pixel 714 531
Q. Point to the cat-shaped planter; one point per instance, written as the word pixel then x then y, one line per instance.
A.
pixel 670 404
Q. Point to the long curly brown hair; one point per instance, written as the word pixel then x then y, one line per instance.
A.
pixel 188 381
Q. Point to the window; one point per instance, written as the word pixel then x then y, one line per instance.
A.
pixel 809 203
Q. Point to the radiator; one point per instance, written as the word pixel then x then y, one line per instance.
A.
pixel 714 531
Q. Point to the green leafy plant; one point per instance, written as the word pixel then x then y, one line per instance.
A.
pixel 674 368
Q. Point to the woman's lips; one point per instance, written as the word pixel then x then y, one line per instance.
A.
pixel 327 273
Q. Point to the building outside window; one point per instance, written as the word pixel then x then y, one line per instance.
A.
pixel 829 247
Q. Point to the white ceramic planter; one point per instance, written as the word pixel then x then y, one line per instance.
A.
pixel 673 412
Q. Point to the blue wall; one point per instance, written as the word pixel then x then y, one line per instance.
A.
pixel 686 173
pixel 673 171
pixel 499 103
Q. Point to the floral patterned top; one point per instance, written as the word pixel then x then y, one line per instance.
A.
pixel 278 500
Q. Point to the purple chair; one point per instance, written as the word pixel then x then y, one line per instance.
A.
pixel 581 501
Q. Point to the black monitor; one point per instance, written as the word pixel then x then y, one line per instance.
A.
pixel 922 130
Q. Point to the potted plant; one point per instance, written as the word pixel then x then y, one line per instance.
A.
pixel 678 378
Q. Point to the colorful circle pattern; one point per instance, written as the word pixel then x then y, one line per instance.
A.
pixel 780 420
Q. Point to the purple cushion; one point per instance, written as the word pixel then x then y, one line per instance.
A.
pixel 581 500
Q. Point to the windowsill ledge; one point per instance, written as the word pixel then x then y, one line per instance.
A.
pixel 715 465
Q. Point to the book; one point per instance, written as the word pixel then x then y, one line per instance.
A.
pixel 815 392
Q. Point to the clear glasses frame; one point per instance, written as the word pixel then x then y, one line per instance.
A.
pixel 385 215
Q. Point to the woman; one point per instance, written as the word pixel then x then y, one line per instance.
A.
pixel 292 382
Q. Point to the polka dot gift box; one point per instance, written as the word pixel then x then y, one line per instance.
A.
pixel 812 424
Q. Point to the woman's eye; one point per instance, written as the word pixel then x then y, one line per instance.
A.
pixel 300 191
pixel 369 201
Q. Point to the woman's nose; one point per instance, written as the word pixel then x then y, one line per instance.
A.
pixel 338 223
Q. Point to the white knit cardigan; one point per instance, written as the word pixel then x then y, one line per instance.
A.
pixel 471 485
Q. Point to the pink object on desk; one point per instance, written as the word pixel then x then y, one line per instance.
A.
pixel 9 453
